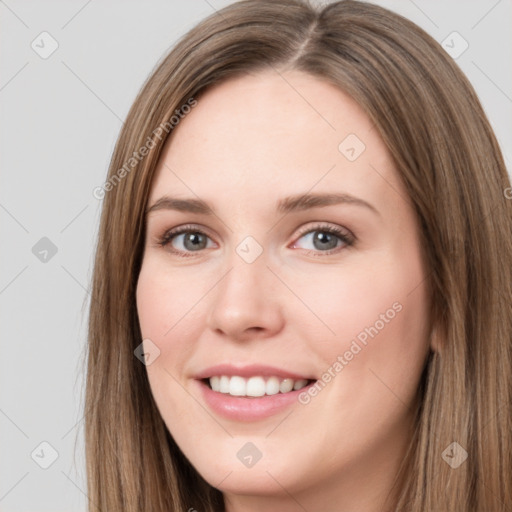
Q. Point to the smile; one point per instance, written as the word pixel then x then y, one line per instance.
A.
pixel 251 392
pixel 256 386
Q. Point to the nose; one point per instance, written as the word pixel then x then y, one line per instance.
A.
pixel 247 301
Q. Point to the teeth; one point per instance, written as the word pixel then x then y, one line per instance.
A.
pixel 237 386
pixel 224 385
pixel 254 386
pixel 215 383
pixel 286 385
pixel 271 386
pixel 299 384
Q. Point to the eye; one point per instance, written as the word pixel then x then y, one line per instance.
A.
pixel 324 239
pixel 321 239
pixel 186 239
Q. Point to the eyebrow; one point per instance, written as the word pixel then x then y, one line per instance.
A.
pixel 289 204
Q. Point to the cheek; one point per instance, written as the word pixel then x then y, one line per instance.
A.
pixel 372 365
pixel 171 307
pixel 386 293
pixel 166 302
pixel 379 314
pixel 163 308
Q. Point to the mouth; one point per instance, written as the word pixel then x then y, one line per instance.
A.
pixel 256 386
pixel 251 392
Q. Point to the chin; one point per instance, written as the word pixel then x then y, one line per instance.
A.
pixel 229 473
pixel 250 482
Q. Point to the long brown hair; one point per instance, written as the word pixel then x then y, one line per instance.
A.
pixel 433 125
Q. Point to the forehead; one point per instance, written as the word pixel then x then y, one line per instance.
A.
pixel 258 136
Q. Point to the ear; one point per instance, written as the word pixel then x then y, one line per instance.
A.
pixel 435 339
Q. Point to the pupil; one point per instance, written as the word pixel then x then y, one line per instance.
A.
pixel 324 238
pixel 194 240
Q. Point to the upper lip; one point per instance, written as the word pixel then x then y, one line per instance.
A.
pixel 252 370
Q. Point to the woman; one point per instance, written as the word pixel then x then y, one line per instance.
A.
pixel 302 287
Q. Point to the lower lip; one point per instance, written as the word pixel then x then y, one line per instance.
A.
pixel 248 408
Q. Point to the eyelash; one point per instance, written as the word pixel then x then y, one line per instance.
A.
pixel 345 236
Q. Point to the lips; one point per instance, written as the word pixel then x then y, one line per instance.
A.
pixel 238 393
pixel 253 370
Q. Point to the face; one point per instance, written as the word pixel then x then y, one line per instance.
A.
pixel 282 259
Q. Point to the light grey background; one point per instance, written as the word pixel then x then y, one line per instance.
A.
pixel 60 119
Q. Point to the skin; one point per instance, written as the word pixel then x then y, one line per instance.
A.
pixel 247 144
